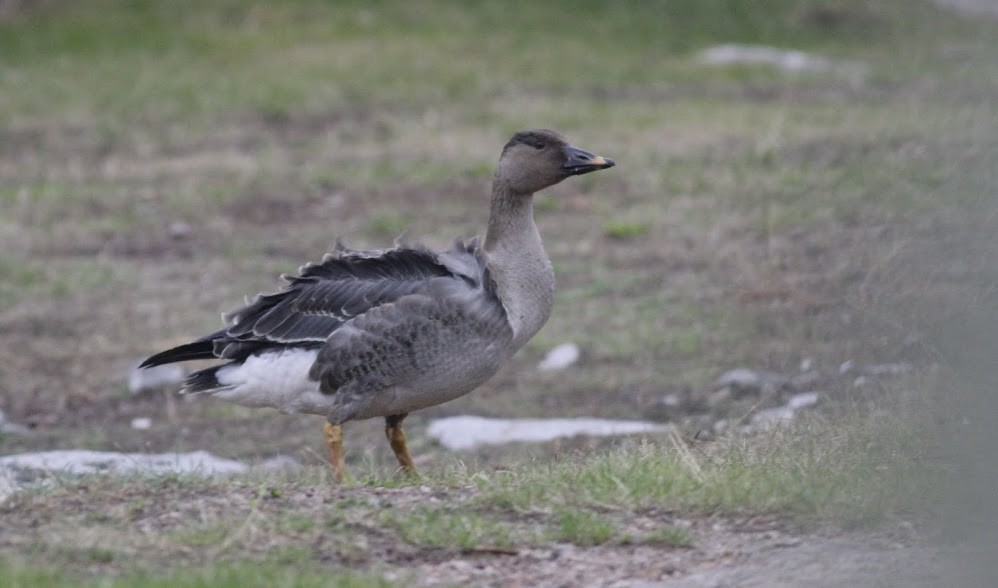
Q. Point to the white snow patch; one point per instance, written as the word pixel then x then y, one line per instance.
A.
pixel 771 417
pixel 768 417
pixel 19 470
pixel 468 432
pixel 741 378
pixel 560 357
pixel 9 427
pixel 787 60
pixel 803 400
pixel 970 7
pixel 141 423
pixel 81 461
pixel 887 369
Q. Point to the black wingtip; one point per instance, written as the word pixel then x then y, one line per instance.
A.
pixel 189 351
pixel 203 380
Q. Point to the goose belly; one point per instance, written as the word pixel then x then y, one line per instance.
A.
pixel 279 379
pixel 433 387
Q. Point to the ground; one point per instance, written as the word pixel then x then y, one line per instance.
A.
pixel 353 528
pixel 755 218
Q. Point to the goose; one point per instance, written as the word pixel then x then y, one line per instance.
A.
pixel 382 333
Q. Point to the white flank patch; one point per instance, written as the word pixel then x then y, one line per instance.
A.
pixel 467 432
pixel 274 378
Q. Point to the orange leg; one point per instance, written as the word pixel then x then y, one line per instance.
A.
pixel 334 442
pixel 396 438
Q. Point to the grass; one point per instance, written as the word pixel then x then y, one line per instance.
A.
pixel 223 576
pixel 625 230
pixel 755 219
pixel 851 472
pixel 582 528
pixel 435 529
pixel 670 535
pixel 856 473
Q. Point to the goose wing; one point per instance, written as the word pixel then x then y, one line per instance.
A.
pixel 323 296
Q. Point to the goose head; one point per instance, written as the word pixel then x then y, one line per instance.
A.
pixel 536 159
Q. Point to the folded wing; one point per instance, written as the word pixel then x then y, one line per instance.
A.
pixel 318 301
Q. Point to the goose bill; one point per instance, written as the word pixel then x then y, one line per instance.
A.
pixel 579 161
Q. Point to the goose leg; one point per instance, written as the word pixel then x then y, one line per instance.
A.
pixel 334 442
pixel 396 438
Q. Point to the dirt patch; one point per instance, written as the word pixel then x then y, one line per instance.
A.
pixel 723 553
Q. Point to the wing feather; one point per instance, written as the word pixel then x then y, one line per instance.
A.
pixel 323 296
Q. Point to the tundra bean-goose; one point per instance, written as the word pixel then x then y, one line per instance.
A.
pixel 382 333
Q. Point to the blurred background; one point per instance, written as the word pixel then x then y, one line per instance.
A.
pixel 805 189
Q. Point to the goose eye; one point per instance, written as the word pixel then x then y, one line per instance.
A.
pixel 538 144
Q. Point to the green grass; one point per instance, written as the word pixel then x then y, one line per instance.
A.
pixel 625 230
pixel 334 58
pixel 856 470
pixel 853 473
pixel 436 529
pixel 670 535
pixel 582 528
pixel 389 224
pixel 222 576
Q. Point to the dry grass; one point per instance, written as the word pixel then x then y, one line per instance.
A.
pixel 755 219
pixel 857 471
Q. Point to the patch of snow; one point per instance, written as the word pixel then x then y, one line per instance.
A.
pixel 887 369
pixel 803 400
pixel 179 230
pixel 770 417
pixel 786 60
pixel 740 378
pixel 560 357
pixel 743 381
pixel 9 427
pixel 467 432
pixel 82 461
pixel 8 484
pixel 970 7
pixel 21 469
pixel 278 463
pixel 672 400
pixel 141 423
